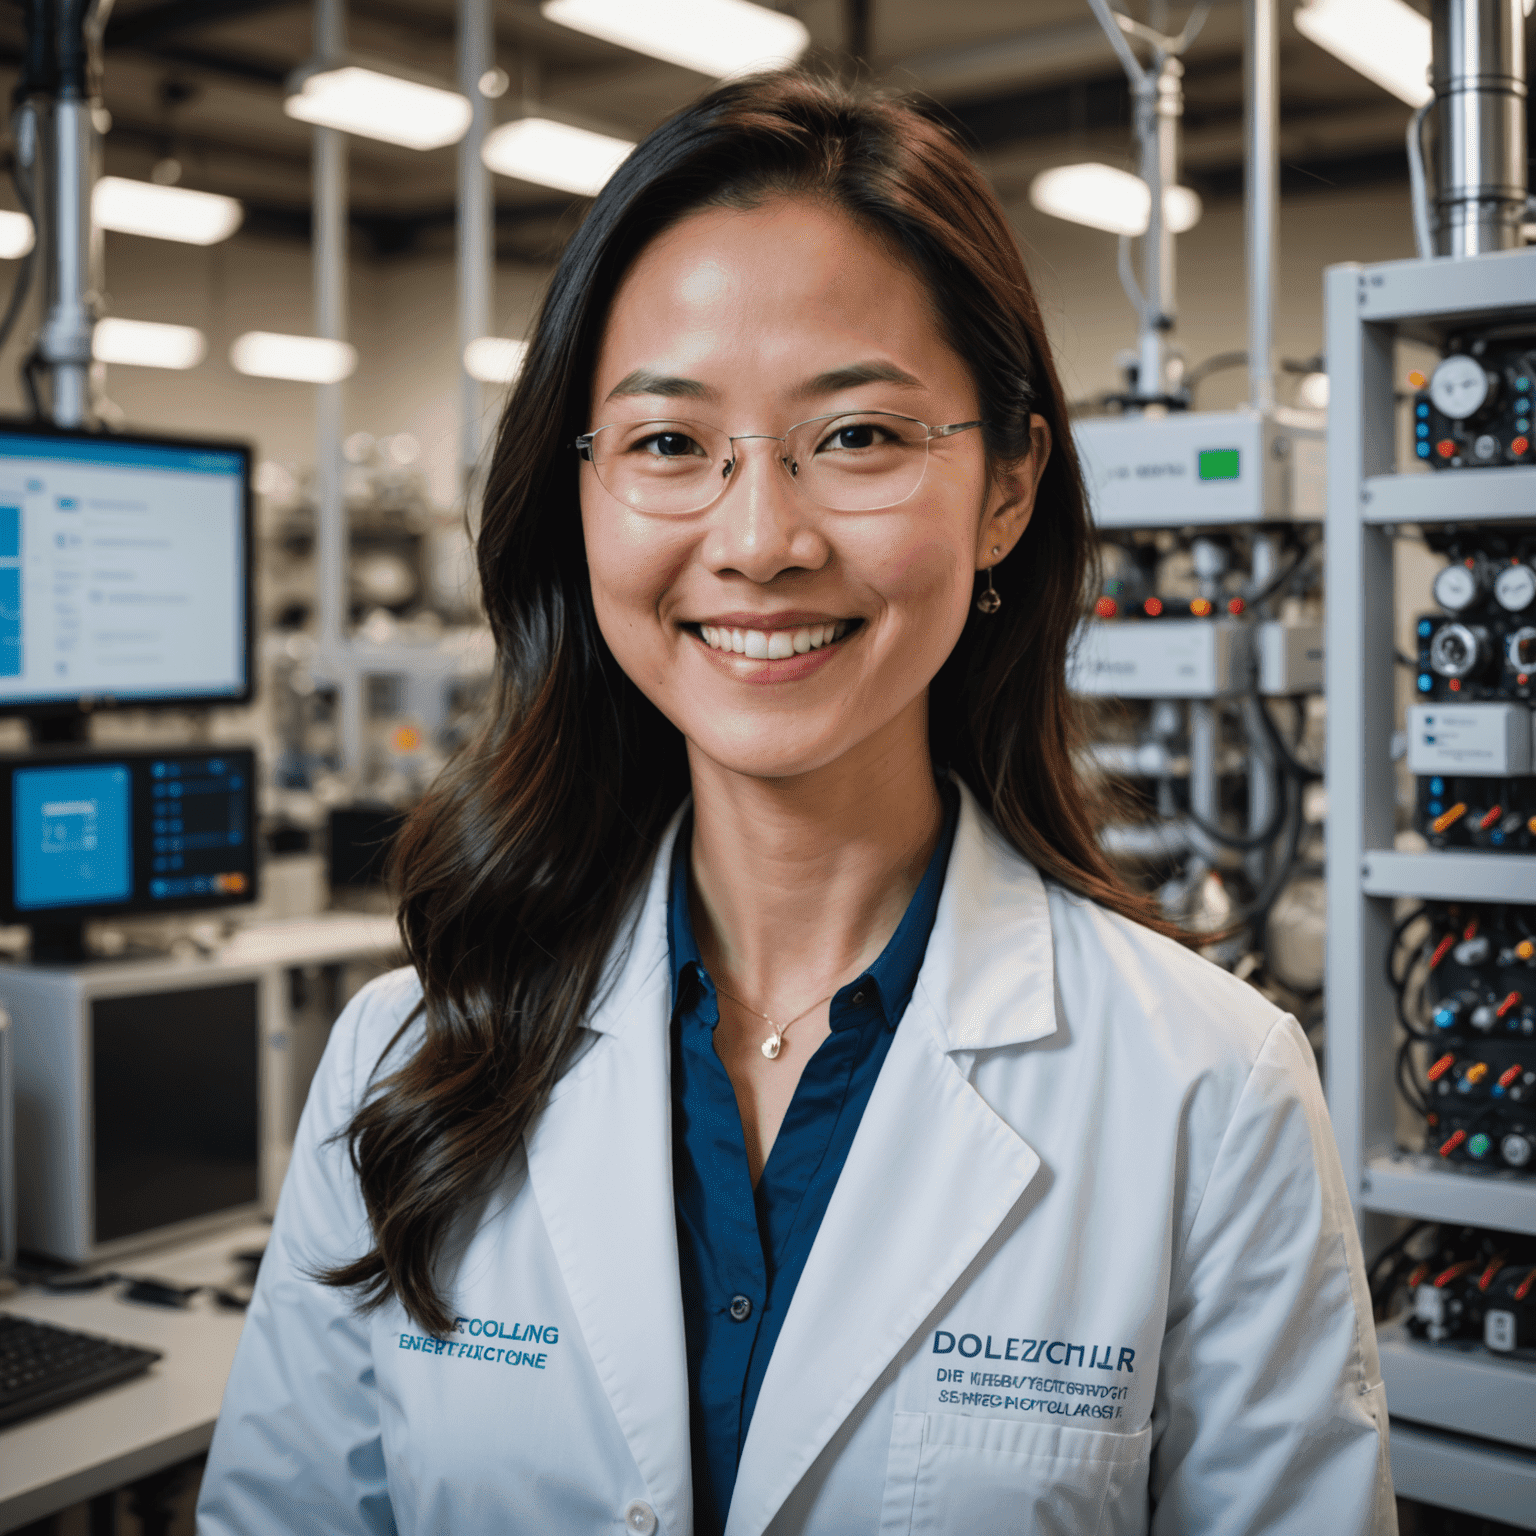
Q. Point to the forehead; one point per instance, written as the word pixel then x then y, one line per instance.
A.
pixel 766 297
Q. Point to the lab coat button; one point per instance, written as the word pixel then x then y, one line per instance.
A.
pixel 640 1518
pixel 741 1308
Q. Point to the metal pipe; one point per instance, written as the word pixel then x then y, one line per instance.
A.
pixel 1261 184
pixel 476 229
pixel 1478 76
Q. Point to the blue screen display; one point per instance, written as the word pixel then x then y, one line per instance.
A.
pixel 71 828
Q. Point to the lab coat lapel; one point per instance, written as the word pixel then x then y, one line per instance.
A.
pixel 932 1174
pixel 600 1162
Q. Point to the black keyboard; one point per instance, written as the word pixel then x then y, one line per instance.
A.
pixel 43 1367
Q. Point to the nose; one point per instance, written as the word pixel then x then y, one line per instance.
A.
pixel 761 526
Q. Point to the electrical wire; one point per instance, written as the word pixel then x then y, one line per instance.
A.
pixel 1277 583
pixel 1419 195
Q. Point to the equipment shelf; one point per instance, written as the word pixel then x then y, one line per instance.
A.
pixel 1456 1471
pixel 1370 309
pixel 1450 1386
pixel 1451 496
pixel 1418 1184
pixel 1449 876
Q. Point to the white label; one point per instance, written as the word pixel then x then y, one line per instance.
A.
pixel 1499 1329
pixel 1483 740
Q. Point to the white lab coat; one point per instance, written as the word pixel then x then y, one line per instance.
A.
pixel 1090 1267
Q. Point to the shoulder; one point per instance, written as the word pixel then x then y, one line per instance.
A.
pixel 381 1022
pixel 1114 974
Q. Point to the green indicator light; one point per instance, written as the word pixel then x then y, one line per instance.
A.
pixel 1479 1145
pixel 1219 464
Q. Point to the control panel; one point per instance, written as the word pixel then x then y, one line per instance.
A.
pixel 1474 410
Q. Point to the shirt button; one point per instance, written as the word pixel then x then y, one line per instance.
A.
pixel 640 1518
pixel 741 1308
pixel 858 997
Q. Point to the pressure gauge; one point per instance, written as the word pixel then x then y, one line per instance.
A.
pixel 1515 588
pixel 1460 387
pixel 1457 587
pixel 1520 649
pixel 1457 651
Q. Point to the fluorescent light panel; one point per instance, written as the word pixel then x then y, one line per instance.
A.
pixel 1384 40
pixel 554 154
pixel 715 37
pixel 1103 197
pixel 379 106
pixel 17 236
pixel 164 213
pixel 147 344
pixel 494 359
pixel 303 359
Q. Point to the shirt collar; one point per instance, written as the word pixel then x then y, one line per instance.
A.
pixel 894 973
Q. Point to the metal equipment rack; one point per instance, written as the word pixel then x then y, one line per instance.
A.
pixel 1462 1421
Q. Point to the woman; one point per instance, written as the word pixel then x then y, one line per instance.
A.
pixel 788 1123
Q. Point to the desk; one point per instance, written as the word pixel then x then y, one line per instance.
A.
pixel 140 1426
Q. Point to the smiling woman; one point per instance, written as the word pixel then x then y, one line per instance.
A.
pixel 773 1018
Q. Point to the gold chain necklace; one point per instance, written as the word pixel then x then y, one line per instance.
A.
pixel 774 1043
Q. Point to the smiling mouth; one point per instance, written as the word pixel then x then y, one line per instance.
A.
pixel 775 644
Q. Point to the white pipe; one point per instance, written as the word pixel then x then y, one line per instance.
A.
pixel 1261 182
pixel 476 235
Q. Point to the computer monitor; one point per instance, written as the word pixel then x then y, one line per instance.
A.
pixel 124 571
pixel 103 834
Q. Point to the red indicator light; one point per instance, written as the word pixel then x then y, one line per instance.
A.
pixel 1507 1077
pixel 1416 379
pixel 1510 1002
pixel 1442 949
pixel 1491 817
pixel 1520 447
pixel 1106 607
pixel 1455 685
pixel 1152 607
pixel 1445 447
pixel 1440 1068
pixel 1456 1139
pixel 1200 606
pixel 1235 605
pixel 1522 678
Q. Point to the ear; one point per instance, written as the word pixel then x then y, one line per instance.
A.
pixel 1011 498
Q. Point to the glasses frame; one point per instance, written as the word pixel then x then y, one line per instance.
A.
pixel 583 446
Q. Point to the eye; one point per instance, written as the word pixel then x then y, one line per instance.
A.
pixel 852 436
pixel 668 445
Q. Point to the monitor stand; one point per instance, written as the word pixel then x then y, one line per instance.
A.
pixel 58 943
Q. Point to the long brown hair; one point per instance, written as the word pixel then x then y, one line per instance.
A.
pixel 517 871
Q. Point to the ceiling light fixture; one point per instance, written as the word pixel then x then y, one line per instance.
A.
pixel 1106 198
pixel 1384 40
pixel 554 154
pixel 714 37
pixel 147 344
pixel 494 359
pixel 376 105
pixel 164 213
pixel 303 359
pixel 17 236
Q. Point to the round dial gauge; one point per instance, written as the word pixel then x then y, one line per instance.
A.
pixel 1515 588
pixel 1456 588
pixel 1460 387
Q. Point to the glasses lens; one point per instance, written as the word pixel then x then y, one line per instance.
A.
pixel 859 462
pixel 660 466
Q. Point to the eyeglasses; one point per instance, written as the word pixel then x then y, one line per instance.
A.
pixel 855 461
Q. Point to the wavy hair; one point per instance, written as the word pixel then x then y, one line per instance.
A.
pixel 517 871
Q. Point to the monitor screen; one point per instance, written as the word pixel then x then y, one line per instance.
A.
pixel 95 834
pixel 123 570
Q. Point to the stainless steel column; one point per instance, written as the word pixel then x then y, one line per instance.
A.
pixel 476 237
pixel 1261 199
pixel 1479 81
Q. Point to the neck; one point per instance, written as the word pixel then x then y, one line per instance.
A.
pixel 799 883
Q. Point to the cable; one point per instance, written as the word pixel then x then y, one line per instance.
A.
pixel 1419 194
pixel 1263 595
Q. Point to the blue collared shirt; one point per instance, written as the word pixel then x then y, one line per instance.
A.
pixel 740 1250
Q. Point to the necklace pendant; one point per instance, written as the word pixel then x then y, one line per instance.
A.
pixel 771 1045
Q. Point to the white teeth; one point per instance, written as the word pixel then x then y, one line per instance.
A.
pixel 772 645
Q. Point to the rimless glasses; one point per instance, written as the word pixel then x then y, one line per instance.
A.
pixel 855 461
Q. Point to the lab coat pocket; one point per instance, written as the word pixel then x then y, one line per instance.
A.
pixel 957 1475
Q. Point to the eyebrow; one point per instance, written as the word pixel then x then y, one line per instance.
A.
pixel 643 381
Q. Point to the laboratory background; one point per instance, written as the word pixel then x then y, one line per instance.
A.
pixel 267 268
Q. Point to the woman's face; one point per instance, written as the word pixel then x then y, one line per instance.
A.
pixel 752 322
